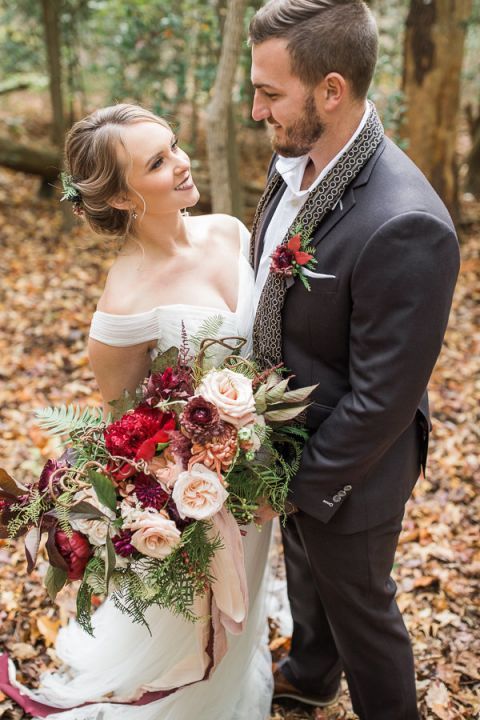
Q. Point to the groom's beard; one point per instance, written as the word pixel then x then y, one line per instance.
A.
pixel 301 136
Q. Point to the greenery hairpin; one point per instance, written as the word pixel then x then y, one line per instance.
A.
pixel 71 193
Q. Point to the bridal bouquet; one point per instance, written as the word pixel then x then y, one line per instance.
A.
pixel 128 508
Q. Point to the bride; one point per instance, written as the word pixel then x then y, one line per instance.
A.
pixel 132 181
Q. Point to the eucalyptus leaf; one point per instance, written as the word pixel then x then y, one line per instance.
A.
pixel 299 395
pixel 277 393
pixel 260 399
pixel 166 359
pixel 104 488
pixel 285 414
pixel 84 511
pixel 32 542
pixel 54 581
pixel 123 404
pixel 9 487
pixel 54 556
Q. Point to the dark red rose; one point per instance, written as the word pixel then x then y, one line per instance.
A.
pixel 137 434
pixel 75 550
pixel 282 261
pixel 149 492
pixel 172 384
pixel 200 420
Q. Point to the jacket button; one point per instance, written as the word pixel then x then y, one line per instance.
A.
pixel 347 488
pixel 336 498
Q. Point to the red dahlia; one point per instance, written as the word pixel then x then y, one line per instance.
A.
pixel 149 492
pixel 121 543
pixel 137 434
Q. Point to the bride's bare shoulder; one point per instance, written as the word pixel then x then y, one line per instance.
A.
pixel 116 298
pixel 217 225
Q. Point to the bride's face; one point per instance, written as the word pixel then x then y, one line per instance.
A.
pixel 158 171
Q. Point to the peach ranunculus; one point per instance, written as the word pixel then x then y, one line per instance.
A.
pixel 198 493
pixel 154 534
pixel 232 395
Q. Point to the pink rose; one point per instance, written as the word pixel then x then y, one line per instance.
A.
pixel 198 493
pixel 154 534
pixel 232 395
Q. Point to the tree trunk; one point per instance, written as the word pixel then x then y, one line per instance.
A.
pixel 472 184
pixel 45 163
pixel 51 21
pixel 434 44
pixel 221 142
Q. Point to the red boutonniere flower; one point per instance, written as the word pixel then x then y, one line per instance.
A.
pixel 290 258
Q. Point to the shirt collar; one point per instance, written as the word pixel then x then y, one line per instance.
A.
pixel 293 169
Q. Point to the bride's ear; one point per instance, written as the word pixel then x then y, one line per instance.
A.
pixel 121 202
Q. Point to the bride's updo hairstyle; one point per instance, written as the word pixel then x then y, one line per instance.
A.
pixel 97 172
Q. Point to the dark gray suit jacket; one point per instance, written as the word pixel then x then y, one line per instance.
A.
pixel 370 338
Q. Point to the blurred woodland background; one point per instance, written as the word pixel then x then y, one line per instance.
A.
pixel 188 60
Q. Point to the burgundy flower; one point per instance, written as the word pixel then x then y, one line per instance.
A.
pixel 149 492
pixel 172 384
pixel 51 467
pixel 200 420
pixel 282 261
pixel 121 543
pixel 181 447
pixel 75 550
pixel 137 434
pixel 180 522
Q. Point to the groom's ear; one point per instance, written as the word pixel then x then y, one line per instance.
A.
pixel 331 91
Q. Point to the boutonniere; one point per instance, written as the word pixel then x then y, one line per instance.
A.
pixel 289 259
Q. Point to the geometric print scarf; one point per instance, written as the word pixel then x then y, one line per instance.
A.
pixel 267 327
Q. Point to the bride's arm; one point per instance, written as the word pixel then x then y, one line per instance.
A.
pixel 118 369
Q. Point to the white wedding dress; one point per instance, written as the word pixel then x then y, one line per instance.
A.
pixel 123 656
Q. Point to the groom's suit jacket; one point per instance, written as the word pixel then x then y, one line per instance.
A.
pixel 369 336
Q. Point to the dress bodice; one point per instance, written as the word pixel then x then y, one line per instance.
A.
pixel 164 322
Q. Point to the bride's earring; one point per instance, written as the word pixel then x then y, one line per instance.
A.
pixel 134 215
pixel 184 213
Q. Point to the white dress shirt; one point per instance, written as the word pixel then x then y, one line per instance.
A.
pixel 292 200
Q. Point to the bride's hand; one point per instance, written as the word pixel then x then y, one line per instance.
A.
pixel 264 514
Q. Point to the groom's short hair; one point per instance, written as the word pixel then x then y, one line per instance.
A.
pixel 323 36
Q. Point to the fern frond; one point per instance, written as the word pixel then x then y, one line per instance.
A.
pixel 210 328
pixel 68 419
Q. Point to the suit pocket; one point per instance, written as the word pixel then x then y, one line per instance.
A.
pixel 324 285
pixel 316 414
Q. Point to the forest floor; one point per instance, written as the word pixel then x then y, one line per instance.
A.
pixel 49 284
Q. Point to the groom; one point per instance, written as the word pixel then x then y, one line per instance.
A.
pixel 368 332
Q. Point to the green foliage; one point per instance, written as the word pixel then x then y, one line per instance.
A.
pixel 104 489
pixel 55 579
pixel 68 419
pixel 28 514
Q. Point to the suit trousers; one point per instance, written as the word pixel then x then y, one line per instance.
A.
pixel 345 617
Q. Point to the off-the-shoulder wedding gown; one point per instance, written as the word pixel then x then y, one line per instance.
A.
pixel 123 657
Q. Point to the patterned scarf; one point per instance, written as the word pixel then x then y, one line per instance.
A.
pixel 267 328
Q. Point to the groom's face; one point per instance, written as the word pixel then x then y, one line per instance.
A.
pixel 283 100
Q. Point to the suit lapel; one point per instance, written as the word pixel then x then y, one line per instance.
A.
pixel 347 201
pixel 265 221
